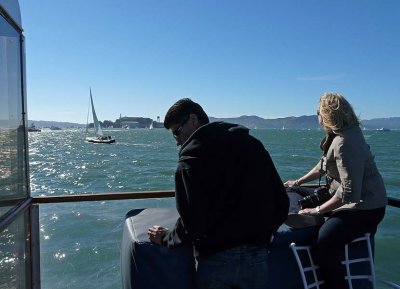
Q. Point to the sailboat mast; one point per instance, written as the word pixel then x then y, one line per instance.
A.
pixel 97 127
pixel 87 117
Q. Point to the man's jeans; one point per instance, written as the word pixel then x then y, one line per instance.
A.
pixel 243 267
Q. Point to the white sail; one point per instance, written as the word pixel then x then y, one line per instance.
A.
pixel 97 128
pixel 99 138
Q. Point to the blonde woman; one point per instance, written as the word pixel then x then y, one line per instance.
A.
pixel 358 193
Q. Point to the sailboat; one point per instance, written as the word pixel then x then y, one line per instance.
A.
pixel 100 137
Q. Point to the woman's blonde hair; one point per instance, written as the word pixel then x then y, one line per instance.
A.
pixel 336 112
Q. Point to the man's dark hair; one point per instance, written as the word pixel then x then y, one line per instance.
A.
pixel 180 111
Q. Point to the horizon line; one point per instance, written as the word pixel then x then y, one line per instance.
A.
pixel 233 117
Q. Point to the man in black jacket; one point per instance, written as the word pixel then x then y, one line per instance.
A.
pixel 229 196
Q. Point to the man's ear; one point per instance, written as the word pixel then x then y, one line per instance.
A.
pixel 194 121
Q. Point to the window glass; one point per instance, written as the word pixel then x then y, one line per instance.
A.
pixel 12 255
pixel 13 174
pixel 12 133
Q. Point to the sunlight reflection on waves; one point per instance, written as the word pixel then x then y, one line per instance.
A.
pixel 76 236
pixel 70 165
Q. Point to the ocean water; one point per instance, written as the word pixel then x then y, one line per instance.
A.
pixel 80 242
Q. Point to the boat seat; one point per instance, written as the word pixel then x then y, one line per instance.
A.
pixel 357 259
pixel 145 265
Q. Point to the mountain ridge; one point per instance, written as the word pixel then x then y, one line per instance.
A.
pixel 303 122
pixel 256 122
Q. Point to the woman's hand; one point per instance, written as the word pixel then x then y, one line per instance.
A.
pixel 291 183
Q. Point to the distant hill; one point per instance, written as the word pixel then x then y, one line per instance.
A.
pixel 45 123
pixel 134 122
pixel 390 122
pixel 303 122
pixel 256 122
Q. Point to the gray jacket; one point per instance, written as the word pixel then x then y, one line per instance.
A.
pixel 351 166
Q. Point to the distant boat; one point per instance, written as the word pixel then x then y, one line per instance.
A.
pixel 33 128
pixel 383 129
pixel 55 128
pixel 151 125
pixel 100 137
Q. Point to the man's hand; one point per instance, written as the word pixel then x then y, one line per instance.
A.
pixel 155 233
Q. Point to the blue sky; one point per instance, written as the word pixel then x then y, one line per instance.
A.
pixel 265 58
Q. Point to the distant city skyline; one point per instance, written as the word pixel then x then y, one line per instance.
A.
pixel 252 122
pixel 212 118
pixel 266 58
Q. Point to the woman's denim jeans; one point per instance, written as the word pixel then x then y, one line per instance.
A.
pixel 243 267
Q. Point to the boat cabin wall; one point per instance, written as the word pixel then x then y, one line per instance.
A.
pixel 12 11
pixel 18 219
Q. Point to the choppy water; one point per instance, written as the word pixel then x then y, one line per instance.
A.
pixel 80 242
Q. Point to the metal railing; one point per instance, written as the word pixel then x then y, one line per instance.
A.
pixel 23 204
pixel 103 197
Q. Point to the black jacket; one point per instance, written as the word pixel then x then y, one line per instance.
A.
pixel 228 192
